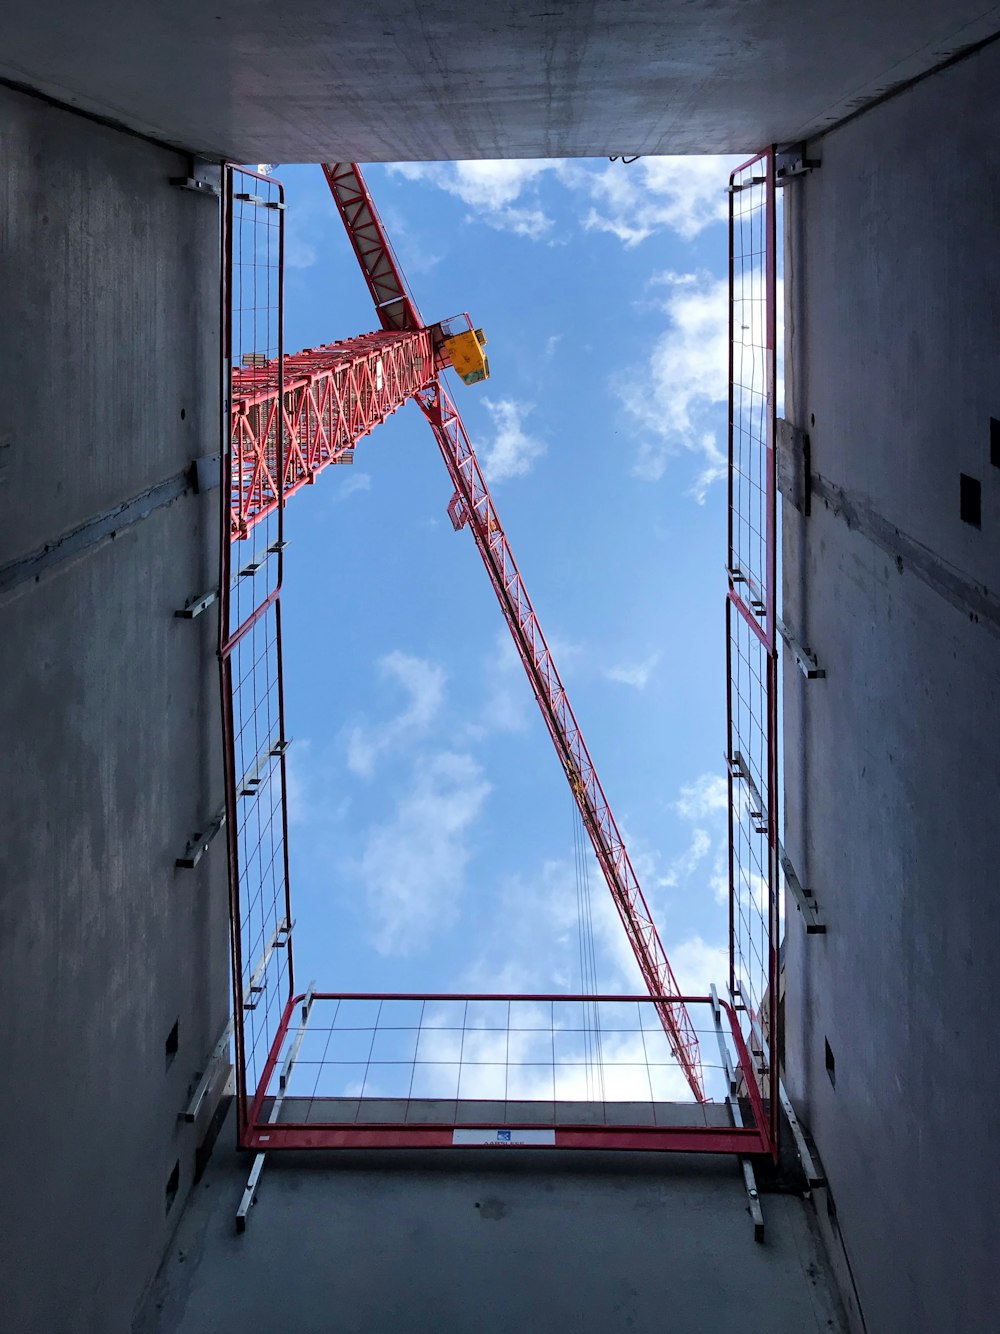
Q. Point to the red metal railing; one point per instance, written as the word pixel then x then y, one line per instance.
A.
pixel 751 619
pixel 439 1070
pixel 251 570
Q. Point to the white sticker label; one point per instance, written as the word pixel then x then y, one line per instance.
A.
pixel 504 1139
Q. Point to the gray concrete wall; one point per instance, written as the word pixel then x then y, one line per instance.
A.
pixel 109 709
pixel 893 345
pixel 310 81
pixel 511 1242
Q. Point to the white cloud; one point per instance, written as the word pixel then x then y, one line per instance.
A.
pixel 490 189
pixel 505 708
pixel 685 377
pixel 413 866
pixel 690 859
pixel 423 682
pixel 299 252
pixel 353 483
pixel 511 452
pixel 635 674
pixel 703 797
pixel 680 194
pixel 697 965
pixel 632 202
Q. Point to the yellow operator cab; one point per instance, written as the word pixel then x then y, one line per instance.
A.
pixel 463 350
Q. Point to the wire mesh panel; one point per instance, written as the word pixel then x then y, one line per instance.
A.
pixel 350 1066
pixel 752 511
pixel 751 640
pixel 251 568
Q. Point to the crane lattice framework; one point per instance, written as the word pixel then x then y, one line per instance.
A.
pixel 330 398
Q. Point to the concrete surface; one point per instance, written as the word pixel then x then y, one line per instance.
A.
pixel 308 81
pixel 109 712
pixel 509 1241
pixel 891 761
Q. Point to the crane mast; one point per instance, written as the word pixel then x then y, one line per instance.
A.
pixel 335 394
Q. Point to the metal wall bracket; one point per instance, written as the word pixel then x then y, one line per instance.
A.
pixel 755 597
pixel 253 1180
pixel 258 559
pixel 814 1174
pixel 206 472
pixel 199 187
pixel 806 901
pixel 745 185
pixel 250 1193
pixel 278 941
pixel 805 661
pixel 203 178
pixel 196 605
pixel 220 1050
pixel 792 162
pixel 732 1102
pixel 255 777
pixel 259 201
pixel 198 846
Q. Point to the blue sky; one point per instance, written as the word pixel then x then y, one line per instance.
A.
pixel 431 830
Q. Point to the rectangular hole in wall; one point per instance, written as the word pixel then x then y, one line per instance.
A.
pixel 831 1064
pixel 173 1183
pixel 171 1044
pixel 971 500
pixel 995 442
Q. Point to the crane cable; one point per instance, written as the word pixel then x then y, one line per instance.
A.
pixel 587 959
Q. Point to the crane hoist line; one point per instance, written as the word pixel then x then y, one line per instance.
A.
pixel 334 395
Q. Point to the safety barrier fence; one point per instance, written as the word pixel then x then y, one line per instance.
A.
pixel 251 569
pixel 442 1070
pixel 751 620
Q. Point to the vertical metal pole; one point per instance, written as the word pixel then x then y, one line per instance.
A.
pixel 225 660
pixel 729 630
pixel 282 468
pixel 772 653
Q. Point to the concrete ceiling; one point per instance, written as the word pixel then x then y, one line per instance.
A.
pixel 376 80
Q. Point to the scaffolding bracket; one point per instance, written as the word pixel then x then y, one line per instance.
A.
pixel 282 934
pixel 254 777
pixel 193 184
pixel 258 559
pixel 206 1076
pixel 198 846
pixel 260 201
pixel 196 605
pixel 249 1197
pixel 203 178
pixel 793 162
pixel 805 661
pixel 732 1102
pixel 815 1176
pixel 805 901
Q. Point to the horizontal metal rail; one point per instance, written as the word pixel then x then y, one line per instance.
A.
pixel 266 1132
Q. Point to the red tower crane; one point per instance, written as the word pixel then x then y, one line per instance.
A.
pixel 336 394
